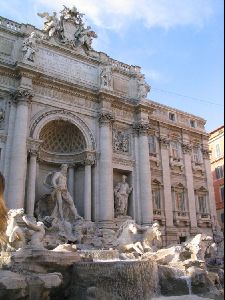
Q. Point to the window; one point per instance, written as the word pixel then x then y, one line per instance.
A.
pixel 172 117
pixel 175 148
pixel 193 124
pixel 180 201
pixel 218 151
pixel 222 218
pixel 156 198
pixel 197 155
pixel 202 203
pixel 222 193
pixel 219 172
pixel 152 144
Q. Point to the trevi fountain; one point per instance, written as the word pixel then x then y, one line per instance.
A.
pixel 52 247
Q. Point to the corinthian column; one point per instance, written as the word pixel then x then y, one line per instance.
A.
pixel 106 202
pixel 144 173
pixel 18 165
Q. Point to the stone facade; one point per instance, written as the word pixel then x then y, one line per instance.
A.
pixel 61 102
pixel 216 145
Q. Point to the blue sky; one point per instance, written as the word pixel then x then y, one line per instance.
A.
pixel 178 43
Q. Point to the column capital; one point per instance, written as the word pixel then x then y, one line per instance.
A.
pixel 22 95
pixel 186 148
pixel 164 142
pixel 106 118
pixel 33 147
pixel 90 159
pixel 206 153
pixel 141 128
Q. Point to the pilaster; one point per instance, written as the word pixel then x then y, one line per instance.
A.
pixel 164 146
pixel 187 152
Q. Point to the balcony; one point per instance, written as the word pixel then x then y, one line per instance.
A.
pixel 181 218
pixel 204 220
pixel 159 215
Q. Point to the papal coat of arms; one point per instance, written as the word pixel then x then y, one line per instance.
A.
pixel 68 29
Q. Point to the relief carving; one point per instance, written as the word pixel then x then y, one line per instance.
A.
pixel 121 141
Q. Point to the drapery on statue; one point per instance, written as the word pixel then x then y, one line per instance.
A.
pixel 61 196
pixel 122 192
pixel 30 46
pixel 3 211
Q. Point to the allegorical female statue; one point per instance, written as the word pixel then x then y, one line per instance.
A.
pixel 121 193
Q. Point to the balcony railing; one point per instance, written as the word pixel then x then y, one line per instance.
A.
pixel 159 215
pixel 181 218
pixel 204 219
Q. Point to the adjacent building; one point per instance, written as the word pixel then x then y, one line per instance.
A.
pixel 216 145
pixel 61 102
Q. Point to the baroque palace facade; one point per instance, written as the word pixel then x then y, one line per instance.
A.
pixel 61 102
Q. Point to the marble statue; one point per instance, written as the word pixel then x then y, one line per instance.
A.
pixel 122 192
pixel 15 235
pixel 72 14
pixel 69 29
pixel 51 25
pixel 198 246
pixel 143 88
pixel 62 196
pixel 152 238
pixel 37 233
pixel 29 46
pixel 106 77
pixel 125 241
pixel 84 36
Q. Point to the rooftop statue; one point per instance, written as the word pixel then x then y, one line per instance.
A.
pixel 68 29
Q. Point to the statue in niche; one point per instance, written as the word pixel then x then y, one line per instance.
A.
pixel 64 205
pixel 29 46
pixel 122 192
pixel 106 77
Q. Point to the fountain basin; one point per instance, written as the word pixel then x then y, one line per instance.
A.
pixel 115 280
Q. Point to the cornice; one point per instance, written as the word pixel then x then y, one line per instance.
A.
pixel 176 126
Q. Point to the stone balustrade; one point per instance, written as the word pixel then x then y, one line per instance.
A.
pixel 10 24
pixel 181 218
pixel 204 220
